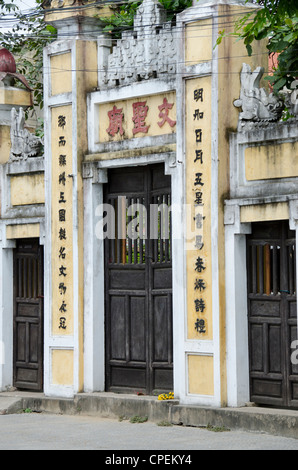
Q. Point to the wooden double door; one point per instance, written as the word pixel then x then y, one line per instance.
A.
pixel 138 287
pixel 272 314
pixel 28 315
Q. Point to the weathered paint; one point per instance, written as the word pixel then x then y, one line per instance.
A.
pixel 151 120
pixel 68 99
pixel 61 73
pixel 198 41
pixel 5 144
pixel 68 10
pixel 22 231
pixel 62 375
pixel 264 212
pixel 202 211
pixel 62 186
pixel 201 382
pixel 86 80
pixel 271 161
pixel 27 189
pixel 15 96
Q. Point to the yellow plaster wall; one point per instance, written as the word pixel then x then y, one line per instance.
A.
pixel 151 119
pixel 198 45
pixel 86 66
pixel 56 12
pixel 271 161
pixel 231 55
pixel 15 96
pixel 264 212
pixel 62 367
pixel 5 144
pixel 61 73
pixel 131 153
pixel 201 375
pixel 79 65
pixel 22 231
pixel 27 189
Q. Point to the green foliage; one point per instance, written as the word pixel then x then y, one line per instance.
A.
pixel 26 41
pixel 138 419
pixel 124 14
pixel 122 19
pixel 276 20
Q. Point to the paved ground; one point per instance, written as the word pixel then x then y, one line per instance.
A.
pixel 41 431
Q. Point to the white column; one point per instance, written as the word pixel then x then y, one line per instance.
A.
pixel 94 312
pixel 6 311
pixel 236 308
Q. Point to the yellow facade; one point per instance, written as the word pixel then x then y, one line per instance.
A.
pixel 153 124
pixel 27 189
pixel 198 42
pixel 61 73
pixel 264 212
pixel 64 9
pixel 131 153
pixel 62 375
pixel 5 144
pixel 271 161
pixel 15 97
pixel 22 231
pixel 208 104
pixel 86 81
pixel 199 48
pixel 71 70
pixel 201 375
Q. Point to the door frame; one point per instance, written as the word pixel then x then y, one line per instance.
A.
pixel 280 292
pixel 147 366
pixel 238 391
pixel 7 246
pixel 38 386
pixel 95 176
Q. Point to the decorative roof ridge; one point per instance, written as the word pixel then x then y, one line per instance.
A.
pixel 148 51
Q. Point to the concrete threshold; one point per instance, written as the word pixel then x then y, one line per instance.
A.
pixel 278 422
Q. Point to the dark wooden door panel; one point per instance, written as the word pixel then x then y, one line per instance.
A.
pixel 139 282
pixel 272 315
pixel 28 315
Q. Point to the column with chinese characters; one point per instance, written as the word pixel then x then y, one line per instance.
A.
pixel 198 240
pixel 209 81
pixel 66 84
pixel 62 242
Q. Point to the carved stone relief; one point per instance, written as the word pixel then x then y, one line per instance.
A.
pixel 256 104
pixel 149 51
pixel 23 143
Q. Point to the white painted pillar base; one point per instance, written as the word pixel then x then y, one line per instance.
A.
pixel 94 313
pixel 6 313
pixel 236 308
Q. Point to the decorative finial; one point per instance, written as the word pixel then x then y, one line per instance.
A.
pixel 8 68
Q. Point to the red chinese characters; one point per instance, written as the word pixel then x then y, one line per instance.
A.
pixel 116 117
pixel 164 113
pixel 140 111
pixel 140 114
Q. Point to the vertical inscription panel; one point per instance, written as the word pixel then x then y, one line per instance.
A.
pixel 61 217
pixel 198 199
